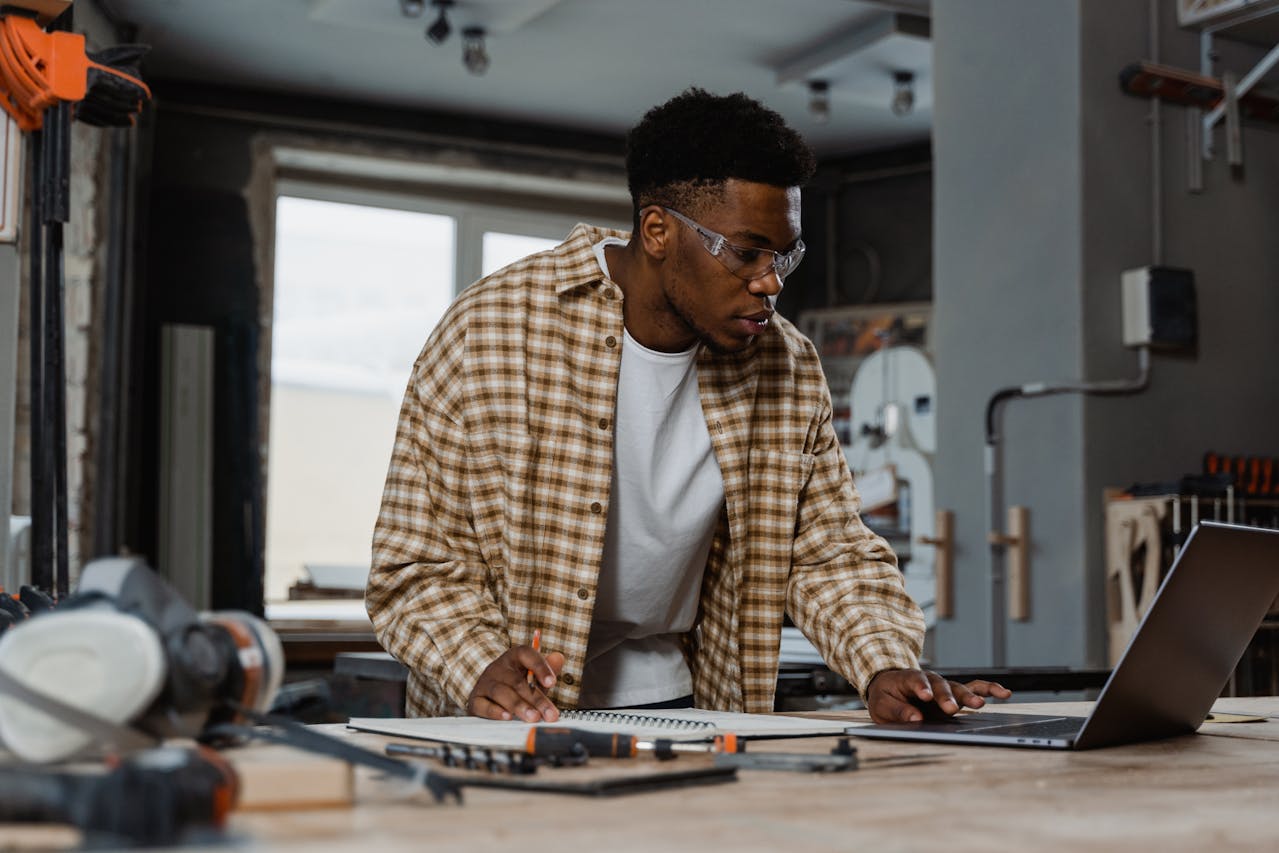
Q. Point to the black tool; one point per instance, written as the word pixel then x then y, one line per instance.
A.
pixel 13 607
pixel 509 761
pixel 155 798
pixel 35 600
pixel 562 740
pixel 842 757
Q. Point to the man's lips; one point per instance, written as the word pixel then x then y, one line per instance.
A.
pixel 755 324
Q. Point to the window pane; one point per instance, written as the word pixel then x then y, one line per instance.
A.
pixel 502 249
pixel 357 291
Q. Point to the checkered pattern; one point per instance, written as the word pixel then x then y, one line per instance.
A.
pixel 493 515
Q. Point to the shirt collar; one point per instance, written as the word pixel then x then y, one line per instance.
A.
pixel 576 264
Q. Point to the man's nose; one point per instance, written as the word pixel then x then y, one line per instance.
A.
pixel 767 285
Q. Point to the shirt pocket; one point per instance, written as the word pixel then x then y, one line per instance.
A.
pixel 777 479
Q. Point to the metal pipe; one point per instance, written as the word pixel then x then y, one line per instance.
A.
pixel 106 477
pixel 41 502
pixel 994 482
pixel 59 211
pixel 1156 151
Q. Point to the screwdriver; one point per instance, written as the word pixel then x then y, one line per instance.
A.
pixel 550 741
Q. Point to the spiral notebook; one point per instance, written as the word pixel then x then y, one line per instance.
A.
pixel 685 724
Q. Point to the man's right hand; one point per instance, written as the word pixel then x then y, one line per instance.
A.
pixel 503 692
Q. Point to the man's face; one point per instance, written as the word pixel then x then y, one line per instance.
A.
pixel 719 307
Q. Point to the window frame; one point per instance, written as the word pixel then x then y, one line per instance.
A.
pixel 533 214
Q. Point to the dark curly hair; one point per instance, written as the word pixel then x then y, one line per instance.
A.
pixel 682 151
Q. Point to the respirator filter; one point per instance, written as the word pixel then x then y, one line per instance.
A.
pixel 126 657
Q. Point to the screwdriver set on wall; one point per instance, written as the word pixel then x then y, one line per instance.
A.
pixel 1253 476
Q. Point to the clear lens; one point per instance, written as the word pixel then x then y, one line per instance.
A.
pixel 743 261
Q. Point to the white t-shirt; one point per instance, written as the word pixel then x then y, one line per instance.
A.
pixel 667 494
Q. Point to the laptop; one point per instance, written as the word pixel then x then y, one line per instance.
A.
pixel 1182 654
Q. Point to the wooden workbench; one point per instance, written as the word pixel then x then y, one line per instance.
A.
pixel 1212 791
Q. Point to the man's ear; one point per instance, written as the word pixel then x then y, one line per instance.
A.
pixel 655 232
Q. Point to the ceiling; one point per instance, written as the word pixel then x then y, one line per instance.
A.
pixel 594 65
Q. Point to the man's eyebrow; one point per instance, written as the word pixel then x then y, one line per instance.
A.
pixel 759 240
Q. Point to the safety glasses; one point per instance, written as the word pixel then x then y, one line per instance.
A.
pixel 745 262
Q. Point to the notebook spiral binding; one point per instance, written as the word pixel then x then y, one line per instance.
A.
pixel 623 719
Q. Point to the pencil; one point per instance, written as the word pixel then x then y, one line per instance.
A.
pixel 537 646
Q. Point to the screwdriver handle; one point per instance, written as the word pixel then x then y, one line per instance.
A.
pixel 550 741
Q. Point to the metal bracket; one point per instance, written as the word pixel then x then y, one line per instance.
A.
pixel 1229 106
pixel 944 564
pixel 1017 542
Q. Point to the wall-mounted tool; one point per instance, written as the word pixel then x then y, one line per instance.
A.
pixel 40 69
pixel 48 79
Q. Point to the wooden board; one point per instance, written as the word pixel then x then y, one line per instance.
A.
pixel 281 778
pixel 1178 86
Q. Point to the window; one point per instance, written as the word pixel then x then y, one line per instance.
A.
pixel 361 279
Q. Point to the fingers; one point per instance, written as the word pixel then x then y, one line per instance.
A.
pixel 891 695
pixel 532 662
pixel 911 696
pixel 504 691
pixel 988 688
pixel 943 694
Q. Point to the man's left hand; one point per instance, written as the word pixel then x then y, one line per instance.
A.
pixel 910 695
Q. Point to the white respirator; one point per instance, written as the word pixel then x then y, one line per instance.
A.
pixel 126 658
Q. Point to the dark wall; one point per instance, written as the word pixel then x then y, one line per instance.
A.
pixel 199 269
pixel 870 220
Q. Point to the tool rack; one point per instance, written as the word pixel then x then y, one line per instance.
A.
pixel 1143 536
pixel 1230 97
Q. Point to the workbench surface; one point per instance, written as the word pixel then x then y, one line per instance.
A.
pixel 1215 790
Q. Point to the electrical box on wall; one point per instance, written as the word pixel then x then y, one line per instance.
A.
pixel 1159 308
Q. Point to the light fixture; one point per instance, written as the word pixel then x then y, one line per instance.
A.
pixel 819 100
pixel 474 56
pixel 440 28
pixel 412 8
pixel 903 92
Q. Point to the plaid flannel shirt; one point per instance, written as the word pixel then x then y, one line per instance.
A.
pixel 493 515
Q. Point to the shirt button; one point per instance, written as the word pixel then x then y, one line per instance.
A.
pixel 566 678
pixel 583 593
pixel 597 507
pixel 603 423
pixel 609 294
pixel 610 341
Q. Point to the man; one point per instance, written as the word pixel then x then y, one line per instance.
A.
pixel 618 446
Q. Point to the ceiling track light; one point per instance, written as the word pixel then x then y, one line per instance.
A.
pixel 903 92
pixel 440 28
pixel 819 100
pixel 412 8
pixel 474 55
